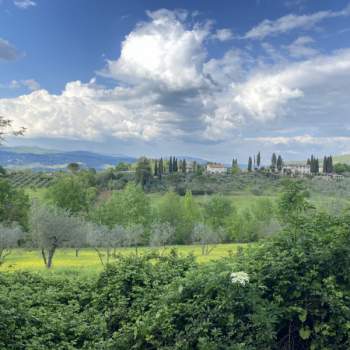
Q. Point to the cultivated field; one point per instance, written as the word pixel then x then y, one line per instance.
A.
pixel 88 262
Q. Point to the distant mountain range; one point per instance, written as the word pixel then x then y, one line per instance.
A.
pixel 41 159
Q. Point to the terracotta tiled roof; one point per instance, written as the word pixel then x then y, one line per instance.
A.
pixel 215 165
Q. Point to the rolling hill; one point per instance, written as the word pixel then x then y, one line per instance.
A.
pixel 344 158
pixel 39 159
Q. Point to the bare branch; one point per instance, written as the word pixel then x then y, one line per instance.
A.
pixel 6 129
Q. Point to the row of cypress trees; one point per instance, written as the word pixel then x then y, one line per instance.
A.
pixel 314 163
pixel 174 165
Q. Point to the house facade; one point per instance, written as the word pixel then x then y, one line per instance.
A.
pixel 216 168
pixel 296 169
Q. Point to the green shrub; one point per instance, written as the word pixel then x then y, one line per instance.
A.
pixel 305 272
pixel 297 297
pixel 206 310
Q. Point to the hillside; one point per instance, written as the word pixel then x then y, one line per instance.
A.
pixel 344 158
pixel 41 159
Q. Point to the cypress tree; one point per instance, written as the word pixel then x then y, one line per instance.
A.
pixel 175 165
pixel 160 168
pixel 273 161
pixel 279 163
pixel 325 165
pixel 250 164
pixel 331 164
pixel 312 164
pixel 258 160
pixel 156 168
pixel 184 166
pixel 170 164
pixel 235 168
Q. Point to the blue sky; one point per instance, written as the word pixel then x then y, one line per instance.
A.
pixel 201 78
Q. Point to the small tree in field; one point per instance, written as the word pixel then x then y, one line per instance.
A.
pixel 118 234
pixel 51 228
pixel 78 235
pixel 162 233
pixel 101 238
pixel 134 236
pixel 207 237
pixel 9 239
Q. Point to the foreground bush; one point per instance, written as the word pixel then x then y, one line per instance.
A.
pixel 208 309
pixel 290 292
pixel 38 313
pixel 305 273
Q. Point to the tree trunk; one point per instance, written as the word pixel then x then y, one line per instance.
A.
pixel 51 253
pixel 44 256
pixel 100 256
pixel 77 252
pixel 108 255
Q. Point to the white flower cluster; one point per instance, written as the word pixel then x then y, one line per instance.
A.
pixel 240 277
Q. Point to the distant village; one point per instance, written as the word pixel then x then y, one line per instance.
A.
pixel 312 167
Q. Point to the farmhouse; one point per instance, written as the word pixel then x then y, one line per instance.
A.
pixel 296 169
pixel 216 168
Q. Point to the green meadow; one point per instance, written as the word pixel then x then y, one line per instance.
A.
pixel 88 261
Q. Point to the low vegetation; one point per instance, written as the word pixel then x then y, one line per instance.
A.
pixel 289 292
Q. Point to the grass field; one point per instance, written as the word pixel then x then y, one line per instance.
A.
pixel 89 263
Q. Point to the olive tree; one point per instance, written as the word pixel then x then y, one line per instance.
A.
pixel 51 228
pixel 103 240
pixel 78 234
pixel 162 233
pixel 207 237
pixel 118 234
pixel 9 239
pixel 134 236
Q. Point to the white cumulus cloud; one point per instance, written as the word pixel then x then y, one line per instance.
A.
pixel 169 88
pixel 164 50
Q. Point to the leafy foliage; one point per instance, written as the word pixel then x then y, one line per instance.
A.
pixel 14 205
